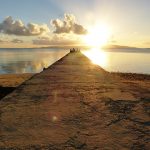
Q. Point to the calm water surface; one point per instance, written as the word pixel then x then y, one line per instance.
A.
pixel 134 61
pixel 28 60
pixel 34 60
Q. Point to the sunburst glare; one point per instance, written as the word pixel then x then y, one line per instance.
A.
pixel 97 36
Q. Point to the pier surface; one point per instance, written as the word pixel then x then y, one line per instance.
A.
pixel 75 104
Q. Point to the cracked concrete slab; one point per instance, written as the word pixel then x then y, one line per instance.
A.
pixel 75 104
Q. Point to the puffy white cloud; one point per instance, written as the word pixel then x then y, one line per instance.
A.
pixel 68 25
pixel 17 27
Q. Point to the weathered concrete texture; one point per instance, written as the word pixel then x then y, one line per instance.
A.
pixel 75 104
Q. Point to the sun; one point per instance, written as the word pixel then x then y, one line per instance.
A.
pixel 97 36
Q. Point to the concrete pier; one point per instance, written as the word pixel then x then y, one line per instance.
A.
pixel 75 104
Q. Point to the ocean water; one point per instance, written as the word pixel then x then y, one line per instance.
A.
pixel 28 60
pixel 122 60
pixel 34 60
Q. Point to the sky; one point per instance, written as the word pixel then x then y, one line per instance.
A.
pixel 36 23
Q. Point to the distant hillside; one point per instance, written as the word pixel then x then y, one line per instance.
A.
pixel 107 48
pixel 118 47
pixel 125 48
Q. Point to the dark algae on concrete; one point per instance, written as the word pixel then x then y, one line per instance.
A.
pixel 75 105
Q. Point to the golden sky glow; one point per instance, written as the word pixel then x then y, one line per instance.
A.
pixel 121 22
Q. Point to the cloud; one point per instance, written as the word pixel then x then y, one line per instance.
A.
pixel 16 27
pixel 55 40
pixel 3 41
pixel 17 41
pixel 12 41
pixel 68 25
pixel 112 41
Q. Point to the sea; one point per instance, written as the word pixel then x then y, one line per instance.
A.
pixel 33 60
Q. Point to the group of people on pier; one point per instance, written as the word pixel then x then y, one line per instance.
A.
pixel 74 50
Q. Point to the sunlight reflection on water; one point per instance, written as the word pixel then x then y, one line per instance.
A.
pixel 97 56
pixel 122 61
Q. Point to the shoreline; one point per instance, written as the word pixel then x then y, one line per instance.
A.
pixel 9 82
pixel 132 76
